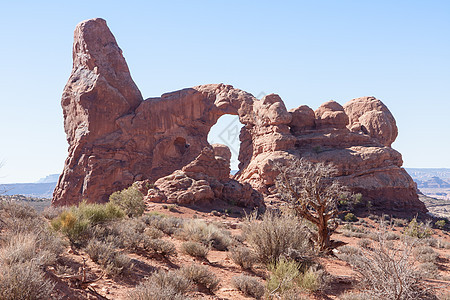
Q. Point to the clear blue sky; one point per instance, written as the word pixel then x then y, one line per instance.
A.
pixel 308 52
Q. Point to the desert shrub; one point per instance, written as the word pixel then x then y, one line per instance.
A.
pixel 162 285
pixel 126 233
pixel 349 250
pixel 429 270
pixel 161 247
pixel 399 222
pixel 243 257
pixel 283 276
pixel 113 261
pixel 312 280
pixel 195 249
pixel 29 238
pixel 418 229
pixel 350 230
pixel 131 200
pixel 390 236
pixel 153 233
pixel 440 224
pixel 249 285
pixel 388 272
pixel 350 217
pixel 275 234
pixel 52 212
pixel 18 211
pixel 202 276
pixel 353 234
pixel 24 281
pixel 208 234
pixel 168 225
pixel 24 247
pixel 425 254
pixel 355 296
pixel 76 221
pixel 364 243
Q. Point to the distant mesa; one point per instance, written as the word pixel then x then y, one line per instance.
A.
pixel 49 179
pixel 116 137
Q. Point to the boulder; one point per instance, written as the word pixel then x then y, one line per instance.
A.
pixel 331 115
pixel 369 115
pixel 203 181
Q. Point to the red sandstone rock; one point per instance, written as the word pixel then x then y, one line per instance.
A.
pixel 303 118
pixel 371 116
pixel 331 115
pixel 116 138
pixel 204 180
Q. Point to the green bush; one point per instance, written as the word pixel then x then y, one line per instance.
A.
pixel 440 224
pixel 418 229
pixel 131 200
pixel 350 218
pixel 77 220
pixel 283 276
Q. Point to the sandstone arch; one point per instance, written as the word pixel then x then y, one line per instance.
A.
pixel 116 137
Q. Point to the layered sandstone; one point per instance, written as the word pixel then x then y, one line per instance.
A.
pixel 204 180
pixel 116 138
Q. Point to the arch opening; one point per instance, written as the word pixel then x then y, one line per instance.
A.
pixel 226 131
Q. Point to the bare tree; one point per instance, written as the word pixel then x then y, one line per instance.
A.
pixel 313 193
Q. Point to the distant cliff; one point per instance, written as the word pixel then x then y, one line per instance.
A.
pixel 43 188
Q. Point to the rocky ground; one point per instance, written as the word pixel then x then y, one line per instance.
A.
pixel 79 277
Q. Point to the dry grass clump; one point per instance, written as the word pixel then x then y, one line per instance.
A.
pixel 387 271
pixel 207 234
pixel 200 275
pixel 249 285
pixel 113 261
pixel 24 280
pixel 243 257
pixel 131 200
pixel 26 247
pixel 273 235
pixel 162 285
pixel 195 249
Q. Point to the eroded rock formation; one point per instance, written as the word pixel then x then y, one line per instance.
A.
pixel 116 138
pixel 204 180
